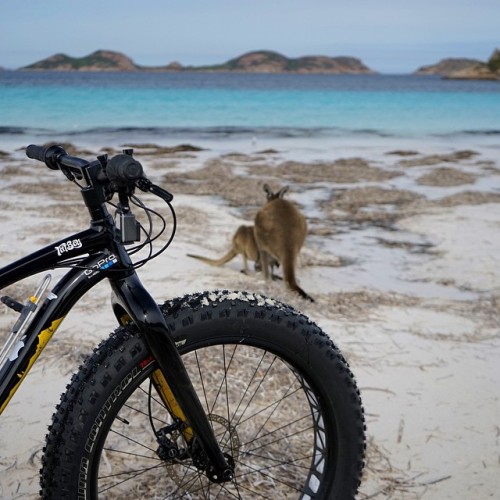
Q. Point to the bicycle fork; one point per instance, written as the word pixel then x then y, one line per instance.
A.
pixel 132 297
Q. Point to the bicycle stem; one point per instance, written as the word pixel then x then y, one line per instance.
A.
pixel 131 295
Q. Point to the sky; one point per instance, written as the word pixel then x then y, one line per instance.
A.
pixel 389 36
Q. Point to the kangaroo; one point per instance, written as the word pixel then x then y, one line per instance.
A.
pixel 280 230
pixel 243 243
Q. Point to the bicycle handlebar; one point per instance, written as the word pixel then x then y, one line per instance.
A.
pixel 122 169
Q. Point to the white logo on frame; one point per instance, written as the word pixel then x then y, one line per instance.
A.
pixel 68 246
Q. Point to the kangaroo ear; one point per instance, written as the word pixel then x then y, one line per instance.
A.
pixel 268 191
pixel 282 192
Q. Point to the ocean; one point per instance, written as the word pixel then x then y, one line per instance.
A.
pixel 227 110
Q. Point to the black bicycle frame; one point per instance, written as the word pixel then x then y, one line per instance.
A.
pixel 58 303
pixel 103 256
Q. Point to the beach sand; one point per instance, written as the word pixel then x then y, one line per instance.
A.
pixel 401 258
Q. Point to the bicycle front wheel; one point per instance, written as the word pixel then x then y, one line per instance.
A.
pixel 279 395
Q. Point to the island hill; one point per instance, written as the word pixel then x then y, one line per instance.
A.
pixel 263 61
pixel 465 69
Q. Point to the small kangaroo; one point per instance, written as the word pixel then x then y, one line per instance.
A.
pixel 280 230
pixel 243 243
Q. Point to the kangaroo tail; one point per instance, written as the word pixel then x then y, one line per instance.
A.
pixel 289 277
pixel 216 262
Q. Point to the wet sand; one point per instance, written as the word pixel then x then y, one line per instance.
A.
pixel 401 259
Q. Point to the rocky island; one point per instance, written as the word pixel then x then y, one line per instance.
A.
pixel 101 60
pixel 466 69
pixel 263 61
pixel 266 61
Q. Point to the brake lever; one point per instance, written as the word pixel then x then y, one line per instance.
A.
pixel 146 185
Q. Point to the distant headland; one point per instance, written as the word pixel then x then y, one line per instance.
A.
pixel 262 61
pixel 267 61
pixel 465 69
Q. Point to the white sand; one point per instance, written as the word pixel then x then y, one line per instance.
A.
pixel 420 329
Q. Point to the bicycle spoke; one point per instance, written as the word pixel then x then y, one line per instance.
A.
pixel 134 473
pixel 275 478
pixel 129 453
pixel 129 439
pixel 280 438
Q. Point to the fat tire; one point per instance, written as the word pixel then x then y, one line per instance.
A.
pixel 104 382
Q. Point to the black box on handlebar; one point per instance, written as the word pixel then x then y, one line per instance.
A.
pixel 130 229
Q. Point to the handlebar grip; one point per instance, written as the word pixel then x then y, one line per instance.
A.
pixel 122 169
pixel 49 155
pixel 36 152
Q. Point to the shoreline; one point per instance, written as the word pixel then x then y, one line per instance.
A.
pixel 401 258
pixel 306 148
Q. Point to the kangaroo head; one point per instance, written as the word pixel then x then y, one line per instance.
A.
pixel 273 196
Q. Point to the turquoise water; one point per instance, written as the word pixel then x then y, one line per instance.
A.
pixel 224 106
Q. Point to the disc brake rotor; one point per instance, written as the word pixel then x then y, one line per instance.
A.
pixel 182 473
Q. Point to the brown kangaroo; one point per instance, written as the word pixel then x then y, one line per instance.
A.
pixel 280 230
pixel 243 243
